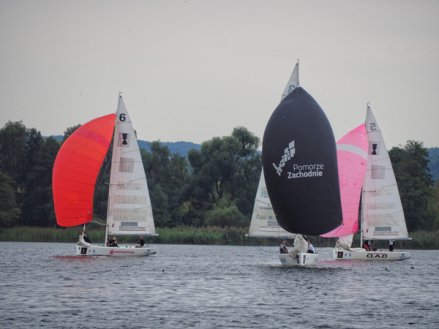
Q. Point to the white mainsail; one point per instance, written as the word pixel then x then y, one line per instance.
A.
pixel 129 206
pixel 263 222
pixel 382 214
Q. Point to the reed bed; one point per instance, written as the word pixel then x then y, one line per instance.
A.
pixel 196 235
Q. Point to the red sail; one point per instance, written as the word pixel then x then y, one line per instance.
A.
pixel 76 168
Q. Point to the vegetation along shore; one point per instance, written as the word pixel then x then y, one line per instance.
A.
pixel 195 235
pixel 204 195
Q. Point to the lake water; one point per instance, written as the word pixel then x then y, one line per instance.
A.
pixel 185 286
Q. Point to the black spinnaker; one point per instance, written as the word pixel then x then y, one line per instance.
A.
pixel 299 160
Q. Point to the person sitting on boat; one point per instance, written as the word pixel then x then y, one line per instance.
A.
pixel 140 243
pixel 311 249
pixel 300 246
pixel 283 247
pixel 366 245
pixel 390 245
pixel 112 242
pixel 86 238
pixel 83 238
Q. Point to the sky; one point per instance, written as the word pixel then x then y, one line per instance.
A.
pixel 191 70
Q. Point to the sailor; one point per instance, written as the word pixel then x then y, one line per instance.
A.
pixel 283 247
pixel 85 237
pixel 112 242
pixel 390 245
pixel 311 249
pixel 140 243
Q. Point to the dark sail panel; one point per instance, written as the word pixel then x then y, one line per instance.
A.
pixel 299 159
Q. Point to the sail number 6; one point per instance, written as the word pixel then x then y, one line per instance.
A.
pixel 122 117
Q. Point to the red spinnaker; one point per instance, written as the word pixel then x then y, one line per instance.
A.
pixel 76 169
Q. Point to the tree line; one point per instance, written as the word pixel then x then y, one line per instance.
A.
pixel 213 186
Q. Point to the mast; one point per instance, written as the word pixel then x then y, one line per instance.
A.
pixel 263 222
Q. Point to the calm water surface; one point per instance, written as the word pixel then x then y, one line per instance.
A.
pixel 184 286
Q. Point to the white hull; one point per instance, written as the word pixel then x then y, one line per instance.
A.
pixel 362 254
pixel 302 259
pixel 86 249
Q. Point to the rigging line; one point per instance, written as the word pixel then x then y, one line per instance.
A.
pixel 95 221
pixel 263 251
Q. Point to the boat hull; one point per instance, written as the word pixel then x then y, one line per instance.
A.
pixel 302 259
pixel 95 250
pixel 362 254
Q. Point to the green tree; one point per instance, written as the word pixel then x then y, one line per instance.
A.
pixel 224 168
pixel 434 206
pixel 166 175
pixel 37 203
pixel 415 184
pixel 69 131
pixel 13 151
pixel 225 214
pixel 9 212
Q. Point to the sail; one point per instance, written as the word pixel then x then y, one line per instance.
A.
pixel 76 168
pixel 129 206
pixel 381 210
pixel 293 82
pixel 263 222
pixel 352 159
pixel 300 166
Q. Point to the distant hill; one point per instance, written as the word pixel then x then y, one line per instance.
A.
pixel 433 165
pixel 181 148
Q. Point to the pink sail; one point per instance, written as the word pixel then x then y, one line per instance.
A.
pixel 352 159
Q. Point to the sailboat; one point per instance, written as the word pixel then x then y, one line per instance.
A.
pixel 381 213
pixel 74 176
pixel 263 222
pixel 300 171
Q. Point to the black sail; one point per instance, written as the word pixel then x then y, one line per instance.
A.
pixel 299 160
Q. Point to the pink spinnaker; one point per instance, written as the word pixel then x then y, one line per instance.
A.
pixel 352 159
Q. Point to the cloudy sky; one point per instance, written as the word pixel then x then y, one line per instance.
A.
pixel 195 69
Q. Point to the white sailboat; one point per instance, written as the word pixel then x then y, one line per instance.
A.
pixel 129 207
pixel 263 222
pixel 382 215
